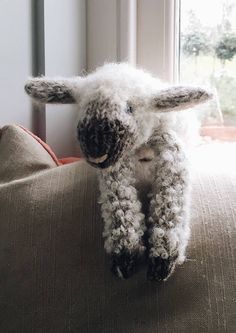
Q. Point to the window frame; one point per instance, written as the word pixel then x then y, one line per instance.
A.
pixel 137 31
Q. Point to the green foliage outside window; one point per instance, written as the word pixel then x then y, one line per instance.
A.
pixel 225 49
pixel 212 50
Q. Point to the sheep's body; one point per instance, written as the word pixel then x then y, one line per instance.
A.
pixel 123 121
pixel 167 223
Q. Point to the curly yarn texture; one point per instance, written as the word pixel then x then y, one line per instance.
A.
pixel 127 118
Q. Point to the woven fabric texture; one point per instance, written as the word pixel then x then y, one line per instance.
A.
pixel 54 274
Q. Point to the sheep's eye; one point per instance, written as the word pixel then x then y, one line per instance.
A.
pixel 129 109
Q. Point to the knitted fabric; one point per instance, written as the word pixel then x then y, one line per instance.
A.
pixel 124 120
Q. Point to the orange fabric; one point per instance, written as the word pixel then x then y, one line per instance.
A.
pixel 59 162
pixel 67 160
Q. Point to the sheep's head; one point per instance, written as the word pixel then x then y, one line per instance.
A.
pixel 117 105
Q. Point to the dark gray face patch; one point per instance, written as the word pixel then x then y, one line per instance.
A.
pixel 102 133
pixel 102 137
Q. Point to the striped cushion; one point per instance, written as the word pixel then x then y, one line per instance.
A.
pixel 54 274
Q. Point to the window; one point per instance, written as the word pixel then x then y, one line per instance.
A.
pixel 208 57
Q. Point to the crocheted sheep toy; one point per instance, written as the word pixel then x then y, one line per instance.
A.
pixel 125 119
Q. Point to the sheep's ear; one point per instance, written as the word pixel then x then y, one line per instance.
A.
pixel 50 90
pixel 180 98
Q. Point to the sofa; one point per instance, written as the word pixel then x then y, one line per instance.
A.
pixel 55 275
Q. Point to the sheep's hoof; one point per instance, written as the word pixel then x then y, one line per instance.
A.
pixel 160 269
pixel 124 264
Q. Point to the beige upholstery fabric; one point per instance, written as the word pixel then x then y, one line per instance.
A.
pixel 54 274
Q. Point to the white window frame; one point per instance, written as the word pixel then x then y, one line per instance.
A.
pixel 142 32
pixel 157 32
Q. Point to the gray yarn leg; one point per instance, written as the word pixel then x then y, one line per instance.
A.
pixel 168 227
pixel 124 224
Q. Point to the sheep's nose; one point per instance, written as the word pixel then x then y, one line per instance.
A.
pixel 102 141
pixel 96 147
pixel 97 140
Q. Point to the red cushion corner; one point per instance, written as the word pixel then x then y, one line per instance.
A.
pixel 43 144
pixel 68 160
pixel 62 161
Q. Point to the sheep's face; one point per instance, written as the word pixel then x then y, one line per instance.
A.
pixel 106 130
pixel 117 105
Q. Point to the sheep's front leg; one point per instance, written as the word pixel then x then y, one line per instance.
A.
pixel 124 223
pixel 168 227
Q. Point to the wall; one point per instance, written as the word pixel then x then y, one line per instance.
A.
pixel 65 55
pixel 15 61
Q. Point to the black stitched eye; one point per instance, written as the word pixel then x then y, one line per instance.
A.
pixel 129 109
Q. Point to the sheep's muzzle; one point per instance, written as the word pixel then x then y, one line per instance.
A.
pixel 102 141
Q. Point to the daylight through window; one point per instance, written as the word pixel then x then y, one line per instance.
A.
pixel 208 55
